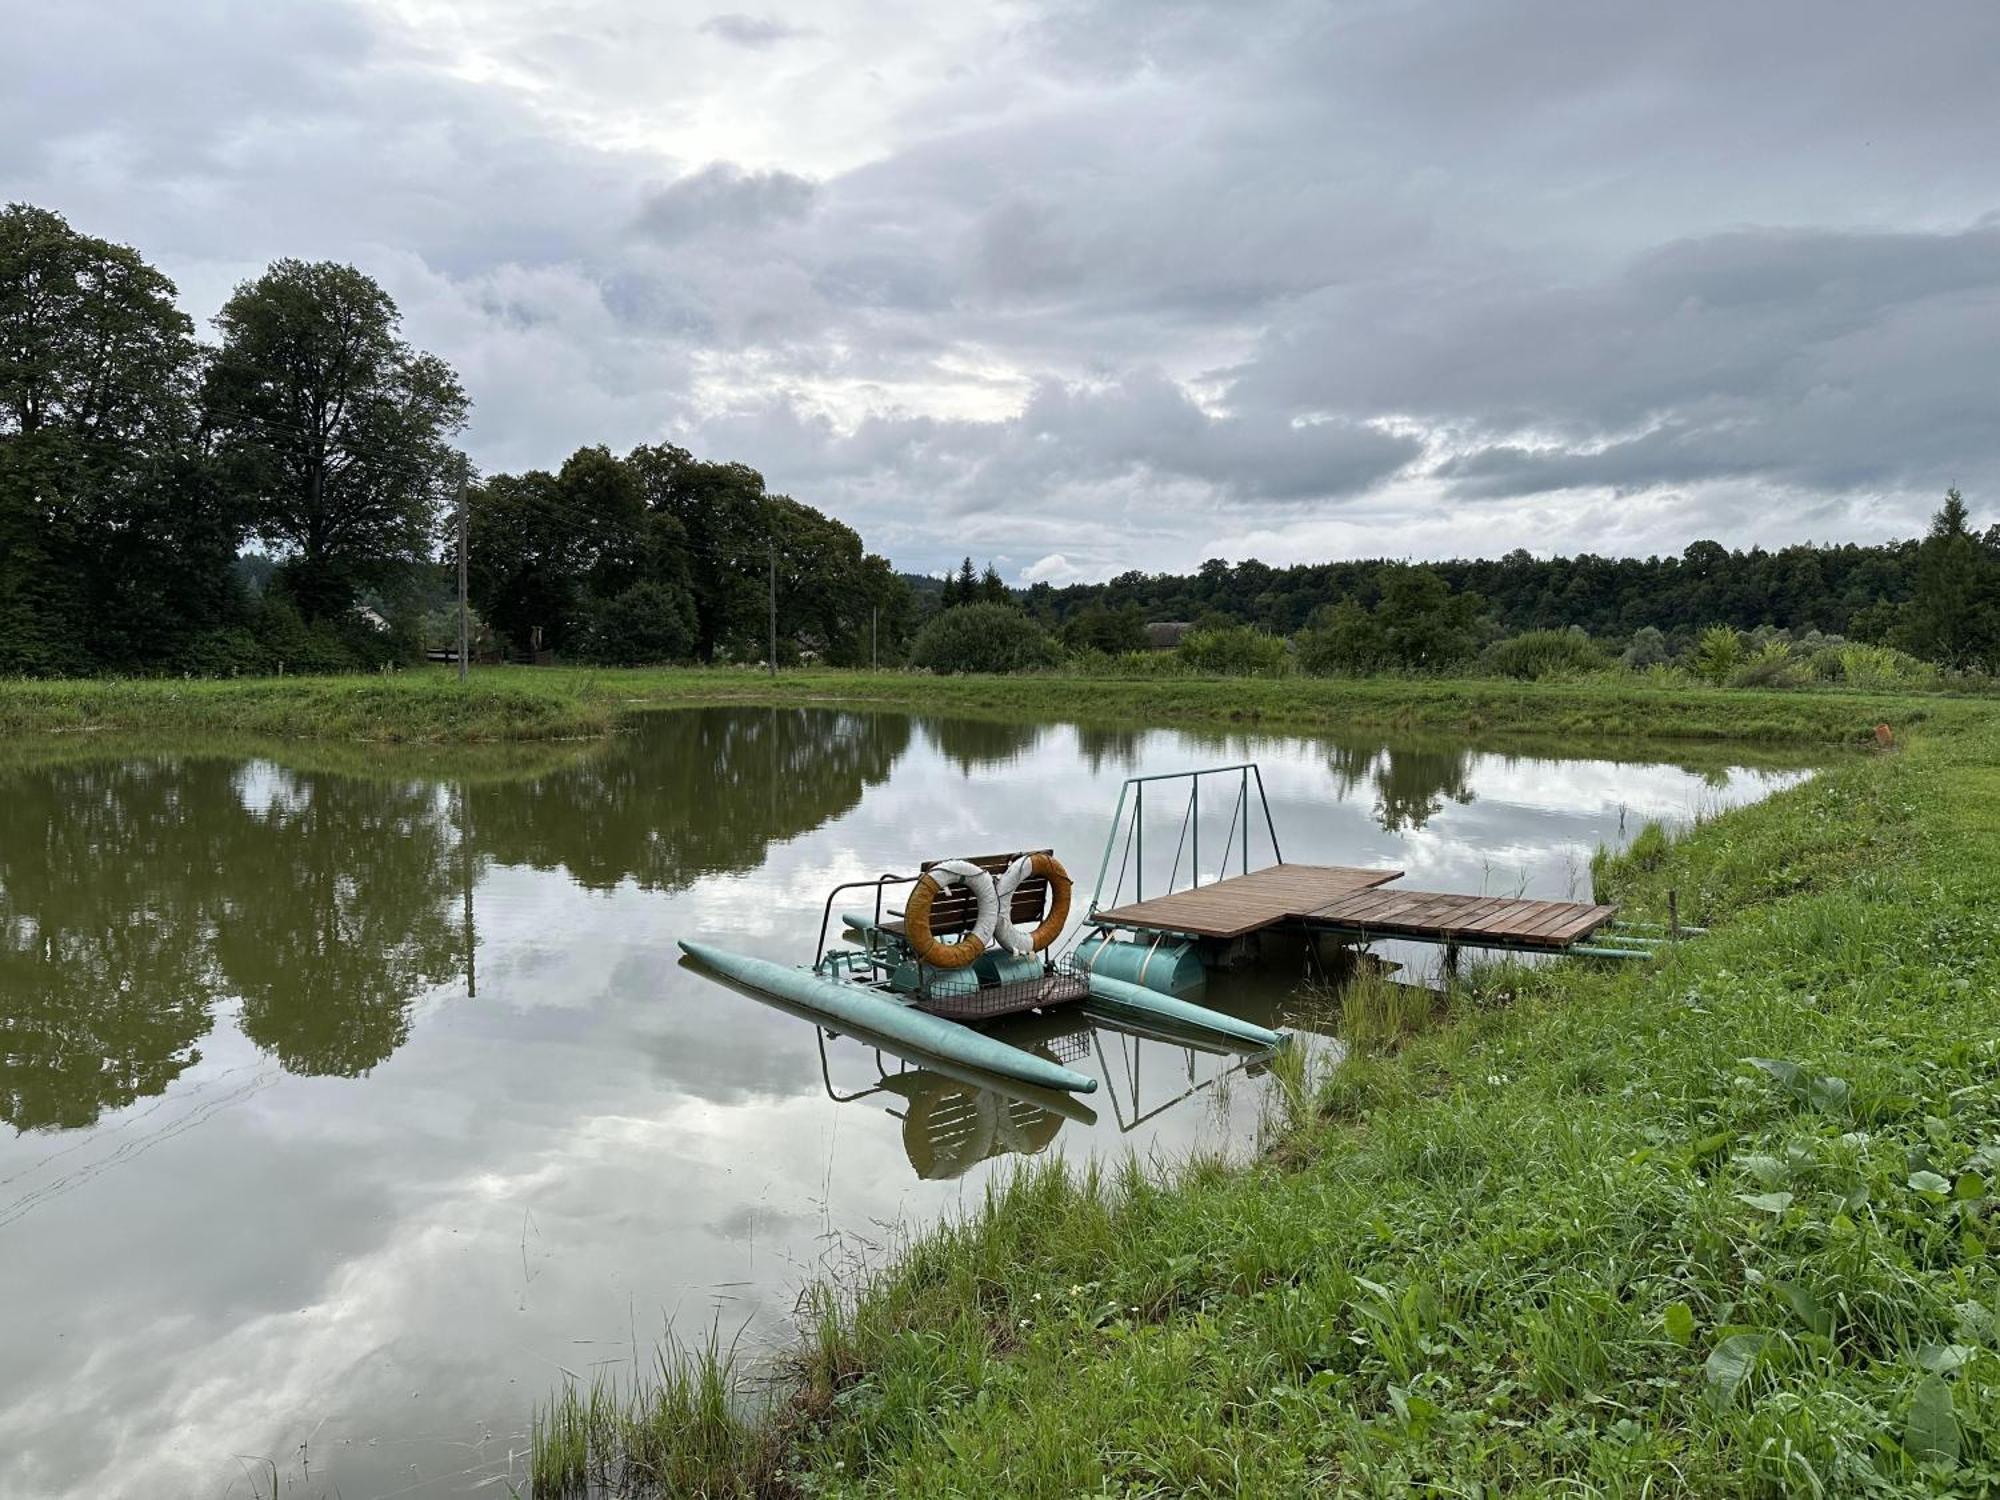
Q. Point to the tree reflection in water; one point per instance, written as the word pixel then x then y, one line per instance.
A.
pixel 694 792
pixel 107 897
pixel 972 744
pixel 1413 780
pixel 135 895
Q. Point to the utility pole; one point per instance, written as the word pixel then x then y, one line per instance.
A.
pixel 774 606
pixel 464 618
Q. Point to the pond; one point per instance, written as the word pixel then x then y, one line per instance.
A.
pixel 353 1102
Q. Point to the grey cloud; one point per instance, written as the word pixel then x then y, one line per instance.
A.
pixel 1813 358
pixel 722 198
pixel 754 32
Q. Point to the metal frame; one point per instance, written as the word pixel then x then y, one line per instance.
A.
pixel 826 915
pixel 1134 788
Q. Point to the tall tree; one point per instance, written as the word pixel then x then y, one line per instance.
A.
pixel 112 550
pixel 724 529
pixel 332 428
pixel 1948 620
pixel 991 589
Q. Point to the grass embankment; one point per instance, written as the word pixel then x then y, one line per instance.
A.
pixel 520 703
pixel 1724 1224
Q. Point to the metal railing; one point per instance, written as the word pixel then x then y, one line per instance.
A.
pixel 1133 793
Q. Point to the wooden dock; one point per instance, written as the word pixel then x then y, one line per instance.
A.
pixel 1352 902
pixel 1244 904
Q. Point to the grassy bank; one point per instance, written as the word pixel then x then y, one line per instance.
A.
pixel 1726 1224
pixel 556 703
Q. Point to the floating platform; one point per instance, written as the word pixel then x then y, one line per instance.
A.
pixel 1243 904
pixel 1351 902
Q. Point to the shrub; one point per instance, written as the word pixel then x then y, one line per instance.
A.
pixel 1545 653
pixel 1648 648
pixel 1111 631
pixel 1773 666
pixel 1341 641
pixel 1883 667
pixel 1237 651
pixel 982 638
pixel 1717 654
pixel 647 623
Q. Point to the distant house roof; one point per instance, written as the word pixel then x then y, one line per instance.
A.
pixel 1164 635
pixel 372 616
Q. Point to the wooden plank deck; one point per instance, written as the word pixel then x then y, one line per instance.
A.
pixel 1441 917
pixel 1246 903
pixel 1339 898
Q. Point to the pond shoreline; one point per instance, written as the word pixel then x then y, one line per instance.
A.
pixel 1675 1225
pixel 543 704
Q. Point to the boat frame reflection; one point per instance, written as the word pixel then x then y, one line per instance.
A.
pixel 956 1117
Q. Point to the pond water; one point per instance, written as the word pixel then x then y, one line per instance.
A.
pixel 354 1102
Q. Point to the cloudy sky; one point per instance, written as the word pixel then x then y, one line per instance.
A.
pixel 1082 287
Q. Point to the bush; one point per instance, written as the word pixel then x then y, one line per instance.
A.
pixel 1717 654
pixel 1647 649
pixel 1237 651
pixel 1545 653
pixel 1343 640
pixel 649 622
pixel 1878 667
pixel 982 638
pixel 1111 631
pixel 349 644
pixel 1772 666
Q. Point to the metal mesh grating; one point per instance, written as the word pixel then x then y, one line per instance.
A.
pixel 960 995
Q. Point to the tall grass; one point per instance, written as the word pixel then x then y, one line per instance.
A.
pixel 692 1427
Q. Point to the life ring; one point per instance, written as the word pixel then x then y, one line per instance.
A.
pixel 1050 869
pixel 917 914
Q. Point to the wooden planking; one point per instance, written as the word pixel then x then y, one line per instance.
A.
pixel 1246 903
pixel 1441 916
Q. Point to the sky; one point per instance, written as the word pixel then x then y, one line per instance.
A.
pixel 1078 288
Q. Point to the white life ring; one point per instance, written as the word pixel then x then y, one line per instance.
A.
pixel 1012 938
pixel 917 912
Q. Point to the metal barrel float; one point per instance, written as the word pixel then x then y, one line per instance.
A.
pixel 842 1005
pixel 1170 966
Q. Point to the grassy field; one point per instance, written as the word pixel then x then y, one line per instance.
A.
pixel 1725 1224
pixel 545 703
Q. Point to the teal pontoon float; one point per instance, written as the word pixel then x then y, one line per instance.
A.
pixel 887 985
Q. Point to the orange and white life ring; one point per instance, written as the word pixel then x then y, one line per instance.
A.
pixel 1050 869
pixel 917 914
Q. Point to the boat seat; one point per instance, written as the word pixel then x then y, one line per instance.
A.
pixel 956 911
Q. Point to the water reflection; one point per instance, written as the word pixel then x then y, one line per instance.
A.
pixel 980 744
pixel 694 794
pixel 107 968
pixel 135 896
pixel 1412 782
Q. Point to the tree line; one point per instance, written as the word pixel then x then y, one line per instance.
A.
pixel 1865 593
pixel 281 497
pixel 1840 613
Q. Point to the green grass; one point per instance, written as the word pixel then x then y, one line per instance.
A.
pixel 523 703
pixel 683 1432
pixel 1720 1224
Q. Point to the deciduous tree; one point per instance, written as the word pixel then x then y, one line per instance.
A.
pixel 333 430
